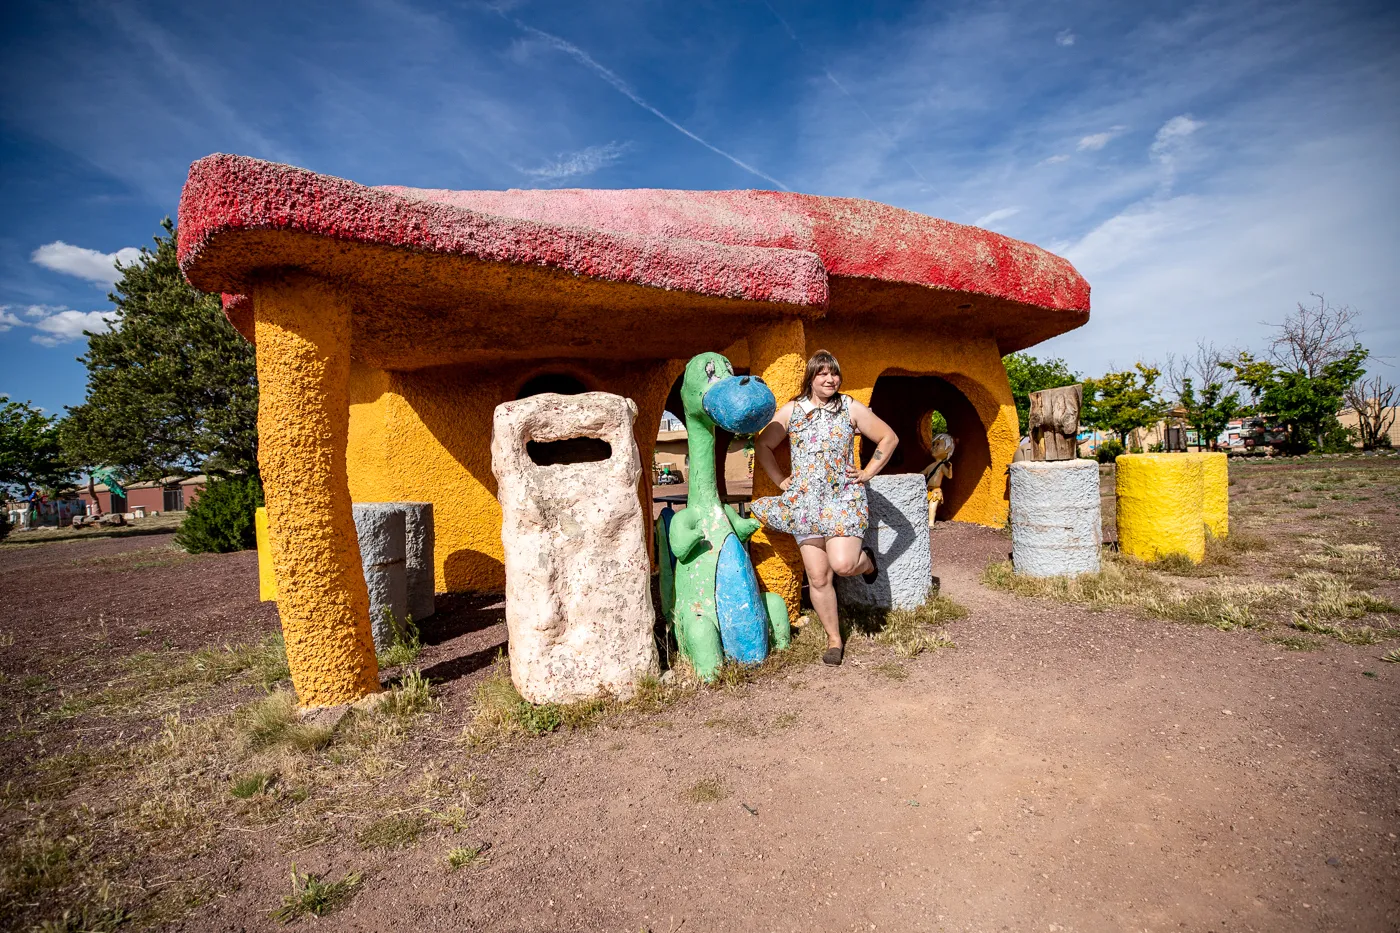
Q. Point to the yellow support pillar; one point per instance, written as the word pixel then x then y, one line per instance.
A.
pixel 303 346
pixel 1159 506
pixel 778 353
pixel 1215 491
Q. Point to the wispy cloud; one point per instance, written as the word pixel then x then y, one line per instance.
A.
pixel 67 325
pixel 7 319
pixel 583 162
pixel 1000 213
pixel 622 87
pixel 84 263
pixel 1096 141
pixel 1065 38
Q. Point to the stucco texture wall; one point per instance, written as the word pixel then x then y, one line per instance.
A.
pixel 424 436
pixel 970 388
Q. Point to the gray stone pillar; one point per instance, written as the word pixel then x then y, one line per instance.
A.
pixel 898 535
pixel 418 558
pixel 380 528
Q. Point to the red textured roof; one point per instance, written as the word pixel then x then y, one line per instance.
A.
pixel 755 246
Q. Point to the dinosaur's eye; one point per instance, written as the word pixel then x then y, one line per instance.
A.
pixel 710 370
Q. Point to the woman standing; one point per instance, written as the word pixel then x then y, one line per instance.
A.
pixel 823 501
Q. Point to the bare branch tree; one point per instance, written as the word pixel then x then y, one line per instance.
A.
pixel 1373 400
pixel 1315 336
pixel 1204 367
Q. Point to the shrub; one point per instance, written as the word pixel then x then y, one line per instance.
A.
pixel 222 518
pixel 4 525
pixel 1108 451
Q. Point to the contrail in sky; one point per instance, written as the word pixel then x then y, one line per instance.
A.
pixel 842 88
pixel 624 88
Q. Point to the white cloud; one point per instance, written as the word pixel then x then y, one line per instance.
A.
pixel 1097 141
pixel 1172 136
pixel 584 162
pixel 1054 160
pixel 68 325
pixel 1064 38
pixel 1000 213
pixel 8 320
pixel 84 263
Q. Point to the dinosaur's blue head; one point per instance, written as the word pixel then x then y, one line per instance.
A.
pixel 738 404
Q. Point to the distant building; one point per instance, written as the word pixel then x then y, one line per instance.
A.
pixel 172 494
pixel 1349 419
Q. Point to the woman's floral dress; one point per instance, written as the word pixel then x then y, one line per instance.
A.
pixel 820 498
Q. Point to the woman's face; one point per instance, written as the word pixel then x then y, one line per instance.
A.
pixel 824 384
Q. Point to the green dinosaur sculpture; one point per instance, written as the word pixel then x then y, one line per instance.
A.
pixel 717 609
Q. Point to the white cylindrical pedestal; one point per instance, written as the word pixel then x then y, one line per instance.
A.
pixel 1056 525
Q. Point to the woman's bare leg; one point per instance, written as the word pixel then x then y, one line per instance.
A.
pixel 821 590
pixel 845 557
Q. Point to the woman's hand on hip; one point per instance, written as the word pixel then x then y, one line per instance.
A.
pixel 784 484
pixel 856 476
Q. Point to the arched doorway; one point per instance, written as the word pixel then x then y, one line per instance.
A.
pixel 907 403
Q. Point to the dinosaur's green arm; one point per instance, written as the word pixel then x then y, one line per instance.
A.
pixel 687 538
pixel 743 527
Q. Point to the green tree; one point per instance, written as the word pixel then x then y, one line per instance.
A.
pixel 1028 374
pixel 30 455
pixel 1123 401
pixel 172 388
pixel 1211 412
pixel 1306 404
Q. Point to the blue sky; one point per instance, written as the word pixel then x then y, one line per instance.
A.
pixel 1205 167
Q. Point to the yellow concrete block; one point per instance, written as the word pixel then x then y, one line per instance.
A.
pixel 1159 506
pixel 267 580
pixel 1215 490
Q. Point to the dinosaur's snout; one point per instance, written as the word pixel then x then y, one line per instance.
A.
pixel 740 404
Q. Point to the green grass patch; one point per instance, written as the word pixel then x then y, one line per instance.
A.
pixel 314 897
pixel 466 857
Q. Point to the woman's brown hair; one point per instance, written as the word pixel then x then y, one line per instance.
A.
pixel 820 360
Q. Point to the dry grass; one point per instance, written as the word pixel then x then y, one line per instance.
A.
pixel 502 714
pixel 706 790
pixel 156 682
pixel 175 796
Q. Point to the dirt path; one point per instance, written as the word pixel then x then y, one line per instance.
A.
pixel 1059 770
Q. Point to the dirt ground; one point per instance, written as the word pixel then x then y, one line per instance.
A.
pixel 1059 770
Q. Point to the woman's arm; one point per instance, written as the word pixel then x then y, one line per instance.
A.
pixel 768 440
pixel 872 426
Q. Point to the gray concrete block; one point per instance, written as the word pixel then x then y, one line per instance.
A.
pixel 380 529
pixel 898 535
pixel 418 558
pixel 1056 525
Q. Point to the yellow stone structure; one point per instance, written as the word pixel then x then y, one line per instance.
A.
pixel 1215 491
pixel 1160 506
pixel 390 322
pixel 267 577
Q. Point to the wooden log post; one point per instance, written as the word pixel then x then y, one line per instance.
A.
pixel 1054 422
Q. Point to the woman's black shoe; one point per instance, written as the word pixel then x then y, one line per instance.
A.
pixel 874 573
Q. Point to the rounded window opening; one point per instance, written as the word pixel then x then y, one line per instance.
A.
pixel 919 408
pixel 569 450
pixel 558 383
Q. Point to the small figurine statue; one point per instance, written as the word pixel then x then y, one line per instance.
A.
pixel 941 468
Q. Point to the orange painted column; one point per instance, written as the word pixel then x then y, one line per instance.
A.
pixel 778 353
pixel 303 347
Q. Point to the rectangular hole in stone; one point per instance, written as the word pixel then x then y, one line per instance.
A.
pixel 569 450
